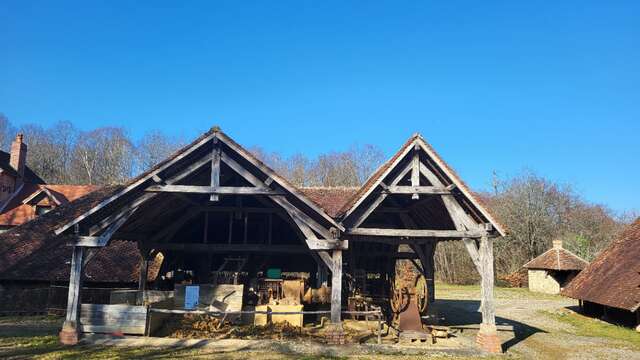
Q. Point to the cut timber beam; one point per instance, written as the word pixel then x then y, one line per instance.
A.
pixel 103 240
pixel 336 287
pixel 221 248
pixel 278 199
pixel 415 172
pixel 322 244
pixel 143 179
pixel 451 234
pixel 435 190
pixel 221 190
pixel 215 169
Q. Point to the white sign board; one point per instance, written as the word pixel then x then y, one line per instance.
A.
pixel 191 295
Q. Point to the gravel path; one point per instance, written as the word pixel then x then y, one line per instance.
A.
pixel 535 335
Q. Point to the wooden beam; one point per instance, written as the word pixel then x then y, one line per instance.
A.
pixel 284 184
pixel 452 234
pixel 215 170
pixel 327 259
pixel 415 172
pixel 278 199
pixel 432 190
pixel 221 248
pixel 323 244
pixel 472 249
pixel 381 197
pixel 221 190
pixel 71 322
pixel 102 240
pixel 336 287
pixel 242 209
pixel 486 261
pixel 139 182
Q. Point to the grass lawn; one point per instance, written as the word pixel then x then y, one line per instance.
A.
pixel 587 326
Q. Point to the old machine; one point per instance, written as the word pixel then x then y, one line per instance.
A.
pixel 409 300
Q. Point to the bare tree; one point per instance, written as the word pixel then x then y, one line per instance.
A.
pixel 154 147
pixel 103 156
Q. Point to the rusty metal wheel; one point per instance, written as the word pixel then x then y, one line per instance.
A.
pixel 422 294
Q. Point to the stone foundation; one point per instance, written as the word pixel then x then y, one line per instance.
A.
pixel 488 340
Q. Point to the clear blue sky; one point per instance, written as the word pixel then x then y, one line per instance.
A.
pixel 549 86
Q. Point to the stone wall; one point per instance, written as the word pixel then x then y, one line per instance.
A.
pixel 542 281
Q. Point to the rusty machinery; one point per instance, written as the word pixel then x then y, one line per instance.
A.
pixel 408 300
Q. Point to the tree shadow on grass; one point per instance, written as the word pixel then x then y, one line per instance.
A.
pixel 466 312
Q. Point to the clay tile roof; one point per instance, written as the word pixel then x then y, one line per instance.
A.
pixel 16 212
pixel 613 278
pixel 330 199
pixel 32 251
pixel 557 259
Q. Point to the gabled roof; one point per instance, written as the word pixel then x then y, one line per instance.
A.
pixel 613 278
pixel 557 259
pixel 446 171
pixel 205 138
pixel 20 207
pixel 29 175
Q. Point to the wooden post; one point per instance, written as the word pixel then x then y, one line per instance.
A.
pixel 215 169
pixel 429 269
pixel 336 287
pixel 71 327
pixel 321 276
pixel 488 335
pixel 144 270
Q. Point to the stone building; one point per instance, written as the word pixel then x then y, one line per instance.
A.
pixel 551 271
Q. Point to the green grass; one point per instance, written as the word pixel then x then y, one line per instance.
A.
pixel 587 326
pixel 20 338
pixel 500 292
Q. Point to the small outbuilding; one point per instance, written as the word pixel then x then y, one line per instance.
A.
pixel 610 286
pixel 555 268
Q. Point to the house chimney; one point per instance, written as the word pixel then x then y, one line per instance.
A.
pixel 18 157
pixel 557 244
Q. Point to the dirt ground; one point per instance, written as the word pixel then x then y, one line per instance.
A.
pixel 544 327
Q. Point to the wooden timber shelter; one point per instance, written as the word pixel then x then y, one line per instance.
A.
pixel 213 199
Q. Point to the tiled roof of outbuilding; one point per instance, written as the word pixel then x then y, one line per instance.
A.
pixel 613 278
pixel 557 259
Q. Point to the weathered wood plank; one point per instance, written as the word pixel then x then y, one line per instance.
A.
pixel 336 287
pixel 215 171
pixel 222 190
pixel 429 190
pixel 415 233
pixel 278 199
pixel 109 329
pixel 217 248
pixel 75 286
pixel 142 180
pixel 113 308
pixel 323 244
pixel 486 283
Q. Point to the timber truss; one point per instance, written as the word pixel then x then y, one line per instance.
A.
pixel 414 200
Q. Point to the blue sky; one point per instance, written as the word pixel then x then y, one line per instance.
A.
pixel 505 85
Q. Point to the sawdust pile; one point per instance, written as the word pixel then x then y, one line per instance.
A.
pixel 206 326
